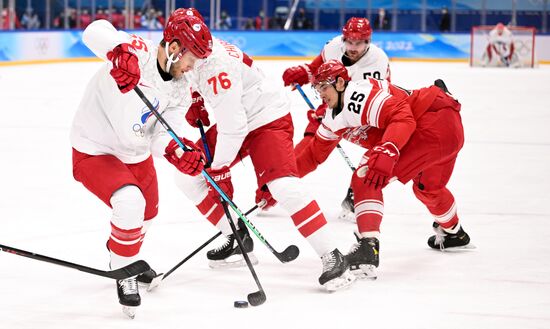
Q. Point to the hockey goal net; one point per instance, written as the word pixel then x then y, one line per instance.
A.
pixel 501 54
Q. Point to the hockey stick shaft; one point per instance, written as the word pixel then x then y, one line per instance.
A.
pixel 133 269
pixel 201 247
pixel 258 297
pixel 281 256
pixel 338 146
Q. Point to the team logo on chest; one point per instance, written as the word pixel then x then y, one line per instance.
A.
pixel 139 128
pixel 357 135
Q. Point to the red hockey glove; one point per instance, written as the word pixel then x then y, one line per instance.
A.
pixel 381 162
pixel 197 111
pixel 222 177
pixel 125 69
pixel 300 74
pixel 264 199
pixel 315 117
pixel 188 162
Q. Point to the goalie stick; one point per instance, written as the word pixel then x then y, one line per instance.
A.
pixel 125 272
pixel 287 255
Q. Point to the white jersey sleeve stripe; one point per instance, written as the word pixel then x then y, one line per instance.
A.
pixel 324 133
pixel 376 106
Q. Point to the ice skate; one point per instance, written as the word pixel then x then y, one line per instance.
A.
pixel 348 209
pixel 336 274
pixel 444 240
pixel 128 296
pixel 229 254
pixel 363 258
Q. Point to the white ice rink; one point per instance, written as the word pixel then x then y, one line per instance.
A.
pixel 501 183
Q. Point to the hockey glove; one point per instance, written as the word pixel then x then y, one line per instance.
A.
pixel 264 199
pixel 381 162
pixel 300 74
pixel 315 117
pixel 125 69
pixel 197 111
pixel 188 162
pixel 222 177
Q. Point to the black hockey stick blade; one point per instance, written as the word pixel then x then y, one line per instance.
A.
pixel 128 271
pixel 257 298
pixel 289 254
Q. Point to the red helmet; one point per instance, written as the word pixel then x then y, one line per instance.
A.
pixel 190 31
pixel 329 71
pixel 189 12
pixel 357 28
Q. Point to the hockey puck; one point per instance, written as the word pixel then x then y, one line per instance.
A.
pixel 240 304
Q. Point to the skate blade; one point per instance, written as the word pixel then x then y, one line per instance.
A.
pixel 233 261
pixel 341 282
pixel 364 272
pixel 155 282
pixel 347 216
pixel 468 247
pixel 129 311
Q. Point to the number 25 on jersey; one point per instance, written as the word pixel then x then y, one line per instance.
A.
pixel 222 80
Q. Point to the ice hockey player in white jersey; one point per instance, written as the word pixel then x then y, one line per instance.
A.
pixel 114 133
pixel 500 50
pixel 353 48
pixel 362 60
pixel 253 118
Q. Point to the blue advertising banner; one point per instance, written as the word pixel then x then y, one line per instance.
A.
pixel 32 46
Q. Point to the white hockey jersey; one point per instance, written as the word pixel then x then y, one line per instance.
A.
pixel 240 95
pixel 374 64
pixel 109 122
pixel 502 44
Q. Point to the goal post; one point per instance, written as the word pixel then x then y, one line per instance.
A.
pixel 501 54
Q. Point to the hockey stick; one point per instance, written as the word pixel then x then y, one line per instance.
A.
pixel 338 146
pixel 254 298
pixel 158 279
pixel 125 272
pixel 289 254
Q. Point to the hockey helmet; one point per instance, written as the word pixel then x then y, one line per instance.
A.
pixel 329 72
pixel 357 28
pixel 189 12
pixel 190 31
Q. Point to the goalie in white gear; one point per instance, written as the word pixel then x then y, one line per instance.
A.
pixel 500 51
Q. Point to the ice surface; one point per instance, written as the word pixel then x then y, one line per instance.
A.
pixel 501 183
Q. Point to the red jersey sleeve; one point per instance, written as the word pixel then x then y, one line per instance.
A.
pixel 312 151
pixel 314 65
pixel 391 113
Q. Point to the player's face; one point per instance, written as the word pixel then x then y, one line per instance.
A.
pixel 355 48
pixel 327 93
pixel 185 63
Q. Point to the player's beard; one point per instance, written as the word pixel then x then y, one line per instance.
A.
pixel 175 71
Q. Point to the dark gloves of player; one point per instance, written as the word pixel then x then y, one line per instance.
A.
pixel 197 111
pixel 264 199
pixel 188 162
pixel 381 162
pixel 300 74
pixel 315 117
pixel 222 177
pixel 125 69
